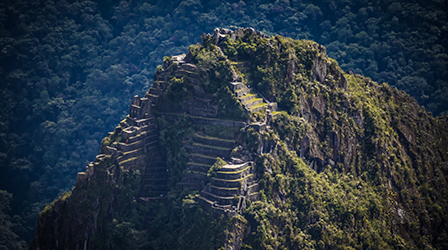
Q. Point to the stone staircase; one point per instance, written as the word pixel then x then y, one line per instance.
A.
pixel 244 68
pixel 249 97
pixel 154 182
pixel 250 100
pixel 229 189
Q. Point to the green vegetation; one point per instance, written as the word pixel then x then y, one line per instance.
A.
pixel 229 106
pixel 179 224
pixel 184 225
pixel 212 64
pixel 221 131
pixel 177 89
pixel 8 239
pixel 216 167
pixel 290 128
pixel 171 134
pixel 370 196
pixel 69 68
pixel 303 209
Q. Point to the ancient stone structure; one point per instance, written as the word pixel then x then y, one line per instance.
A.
pixel 135 141
pixel 227 192
pixel 138 148
pixel 203 153
pixel 229 189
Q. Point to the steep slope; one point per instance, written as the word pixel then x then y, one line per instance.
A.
pixel 250 141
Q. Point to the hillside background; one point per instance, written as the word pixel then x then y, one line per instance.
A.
pixel 68 71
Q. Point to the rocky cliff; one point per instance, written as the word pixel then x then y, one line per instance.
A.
pixel 250 141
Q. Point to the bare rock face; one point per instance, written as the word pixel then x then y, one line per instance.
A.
pixel 62 226
pixel 319 69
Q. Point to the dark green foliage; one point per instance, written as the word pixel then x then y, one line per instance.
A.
pixel 253 140
pixel 272 61
pixel 229 106
pixel 211 63
pixel 8 239
pixel 182 224
pixel 365 204
pixel 215 167
pixel 308 210
pixel 177 89
pixel 127 230
pixel 290 129
pixel 229 47
pixel 171 134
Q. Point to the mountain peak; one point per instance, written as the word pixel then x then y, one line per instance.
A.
pixel 254 140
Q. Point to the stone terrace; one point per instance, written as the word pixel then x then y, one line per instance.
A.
pixel 229 189
pixel 203 152
pixel 139 148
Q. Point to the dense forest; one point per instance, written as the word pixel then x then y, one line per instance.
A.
pixel 68 70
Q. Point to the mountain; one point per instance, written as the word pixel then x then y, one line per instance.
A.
pixel 69 68
pixel 256 142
